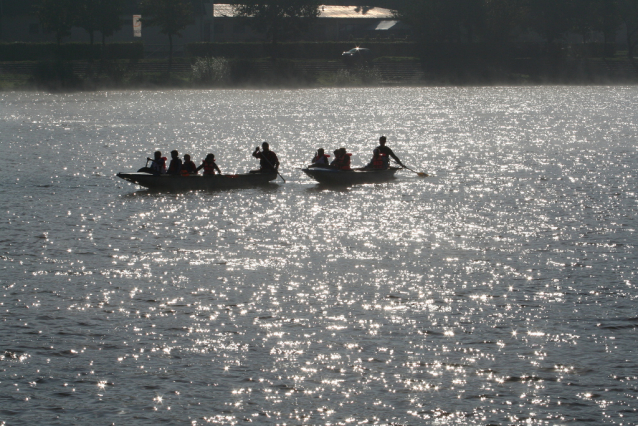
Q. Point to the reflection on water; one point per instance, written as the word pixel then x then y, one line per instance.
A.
pixel 499 290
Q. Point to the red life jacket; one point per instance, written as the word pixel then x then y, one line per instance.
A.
pixel 209 168
pixel 345 162
pixel 320 160
pixel 379 162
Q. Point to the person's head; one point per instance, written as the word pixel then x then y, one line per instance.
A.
pixel 265 146
pixel 210 158
pixel 320 152
pixel 337 153
pixel 382 140
pixel 174 154
pixel 376 152
pixel 342 151
pixel 158 155
pixel 187 157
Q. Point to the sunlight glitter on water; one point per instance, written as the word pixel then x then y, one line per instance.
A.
pixel 499 290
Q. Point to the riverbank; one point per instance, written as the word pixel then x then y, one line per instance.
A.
pixel 223 73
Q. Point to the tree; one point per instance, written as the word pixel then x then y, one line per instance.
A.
pixel 502 18
pixel 444 21
pixel 278 19
pixel 171 16
pixel 610 20
pixel 109 12
pixel 100 15
pixel 551 19
pixel 57 16
pixel 87 16
pixel 629 12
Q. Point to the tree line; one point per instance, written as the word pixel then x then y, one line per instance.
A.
pixel 60 16
pixel 498 21
pixel 432 21
pixel 104 16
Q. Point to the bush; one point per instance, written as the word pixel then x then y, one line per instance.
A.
pixel 345 78
pixel 211 70
pixel 243 71
pixel 357 76
pixel 286 73
pixel 56 75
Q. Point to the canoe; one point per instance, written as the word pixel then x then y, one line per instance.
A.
pixel 354 177
pixel 197 182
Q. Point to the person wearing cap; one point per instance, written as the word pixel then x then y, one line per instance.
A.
pixel 385 150
pixel 268 161
pixel 209 165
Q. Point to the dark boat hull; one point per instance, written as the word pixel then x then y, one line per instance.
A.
pixel 355 177
pixel 198 182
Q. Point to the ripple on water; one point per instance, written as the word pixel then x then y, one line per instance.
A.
pixel 500 290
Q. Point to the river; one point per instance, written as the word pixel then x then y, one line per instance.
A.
pixel 499 290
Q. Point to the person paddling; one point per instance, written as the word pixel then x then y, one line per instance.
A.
pixel 385 150
pixel 209 165
pixel 268 161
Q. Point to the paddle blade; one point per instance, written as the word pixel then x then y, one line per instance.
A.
pixel 421 174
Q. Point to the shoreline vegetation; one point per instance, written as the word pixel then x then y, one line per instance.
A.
pixel 79 67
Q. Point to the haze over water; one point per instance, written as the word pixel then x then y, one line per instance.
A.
pixel 500 290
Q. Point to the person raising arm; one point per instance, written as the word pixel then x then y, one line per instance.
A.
pixel 268 161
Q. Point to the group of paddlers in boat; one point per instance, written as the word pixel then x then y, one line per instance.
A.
pixel 380 158
pixel 268 161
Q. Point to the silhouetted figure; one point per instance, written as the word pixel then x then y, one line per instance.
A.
pixel 158 163
pixel 383 149
pixel 268 161
pixel 209 165
pixel 320 159
pixel 189 166
pixel 175 168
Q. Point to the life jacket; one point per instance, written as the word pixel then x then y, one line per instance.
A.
pixel 320 160
pixel 209 168
pixel 345 162
pixel 159 166
pixel 380 162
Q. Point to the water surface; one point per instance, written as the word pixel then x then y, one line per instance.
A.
pixel 499 290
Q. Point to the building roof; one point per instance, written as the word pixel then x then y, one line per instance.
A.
pixel 350 12
pixel 354 12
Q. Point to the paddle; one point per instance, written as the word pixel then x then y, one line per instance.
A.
pixel 268 161
pixel 420 174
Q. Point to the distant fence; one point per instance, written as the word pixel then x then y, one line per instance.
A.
pixel 454 52
pixel 299 50
pixel 444 52
pixel 69 51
